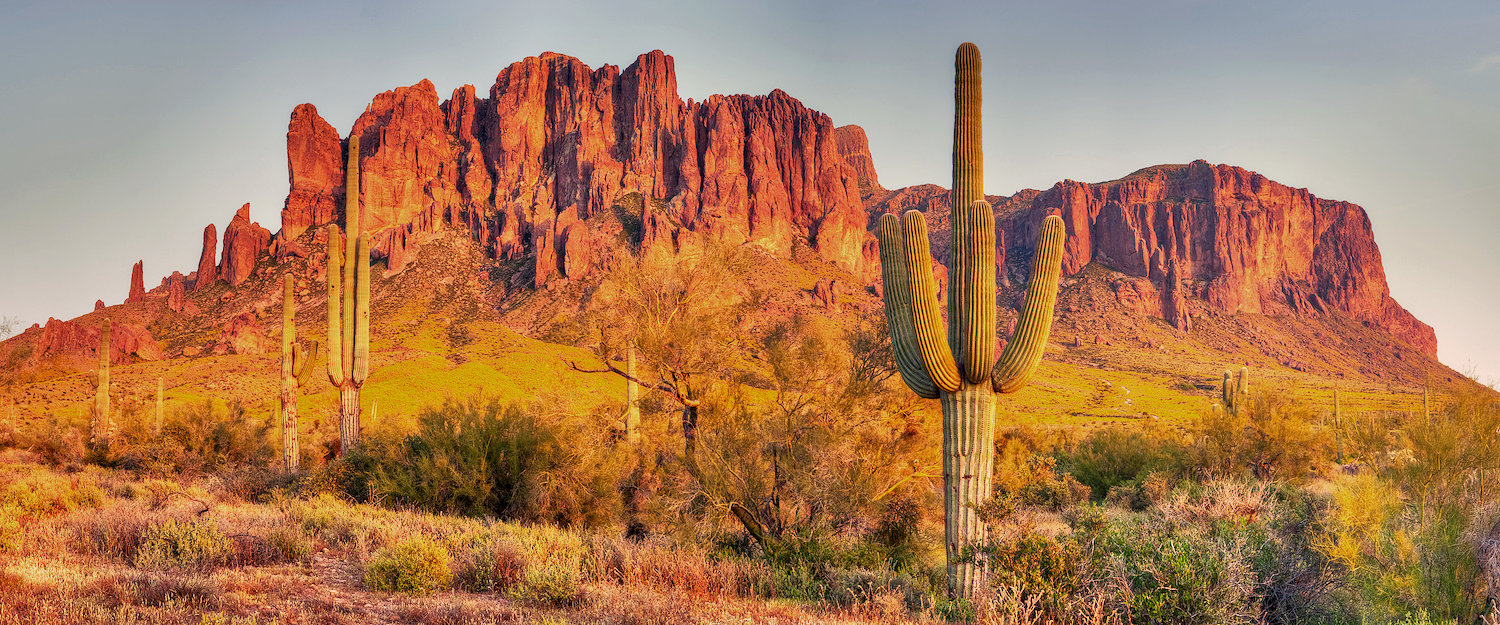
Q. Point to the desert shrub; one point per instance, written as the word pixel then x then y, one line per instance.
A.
pixel 59 445
pixel 1026 474
pixel 173 544
pixel 553 560
pixel 1139 492
pixel 415 565
pixel 200 439
pixel 38 494
pixel 1118 455
pixel 485 457
pixel 1035 565
pixel 1174 573
pixel 1274 436
pixel 113 531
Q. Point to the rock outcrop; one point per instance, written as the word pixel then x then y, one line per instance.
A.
pixel 243 243
pixel 1239 243
pixel 77 341
pixel 207 272
pixel 137 283
pixel 315 169
pixel 854 146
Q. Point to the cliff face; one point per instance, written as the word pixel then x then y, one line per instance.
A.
pixel 555 142
pixel 1211 235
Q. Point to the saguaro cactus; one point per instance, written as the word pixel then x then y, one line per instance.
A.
pixel 957 367
pixel 296 365
pixel 1235 395
pixel 99 428
pixel 349 307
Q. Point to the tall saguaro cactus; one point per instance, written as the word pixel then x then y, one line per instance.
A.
pixel 958 367
pixel 99 428
pixel 296 365
pixel 349 307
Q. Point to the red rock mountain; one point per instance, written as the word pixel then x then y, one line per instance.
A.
pixel 556 142
pixel 522 167
pixel 1201 234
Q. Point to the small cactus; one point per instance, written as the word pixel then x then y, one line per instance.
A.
pixel 349 307
pixel 1235 395
pixel 957 366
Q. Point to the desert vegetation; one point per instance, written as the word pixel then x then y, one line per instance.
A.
pixel 491 511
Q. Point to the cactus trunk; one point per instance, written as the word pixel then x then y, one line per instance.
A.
pixel 957 366
pixel 348 418
pixel 288 376
pixel 968 459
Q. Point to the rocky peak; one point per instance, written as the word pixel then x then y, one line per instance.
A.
pixel 854 146
pixel 243 243
pixel 137 283
pixel 315 169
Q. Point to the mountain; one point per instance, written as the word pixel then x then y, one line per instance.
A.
pixel 497 214
pixel 1200 236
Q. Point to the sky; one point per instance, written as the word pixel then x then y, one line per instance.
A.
pixel 127 127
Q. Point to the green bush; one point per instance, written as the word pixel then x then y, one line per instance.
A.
pixel 182 544
pixel 199 439
pixel 416 565
pixel 41 494
pixel 481 458
pixel 1180 574
pixel 1036 566
pixel 1119 455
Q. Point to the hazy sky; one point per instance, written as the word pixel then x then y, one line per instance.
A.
pixel 126 127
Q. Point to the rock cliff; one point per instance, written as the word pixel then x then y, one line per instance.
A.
pixel 556 142
pixel 1200 234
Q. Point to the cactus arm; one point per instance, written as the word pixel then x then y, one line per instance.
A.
pixel 1024 351
pixel 352 232
pixel 335 299
pixel 937 357
pixel 974 290
pixel 898 311
pixel 361 344
pixel 967 278
pixel 302 360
